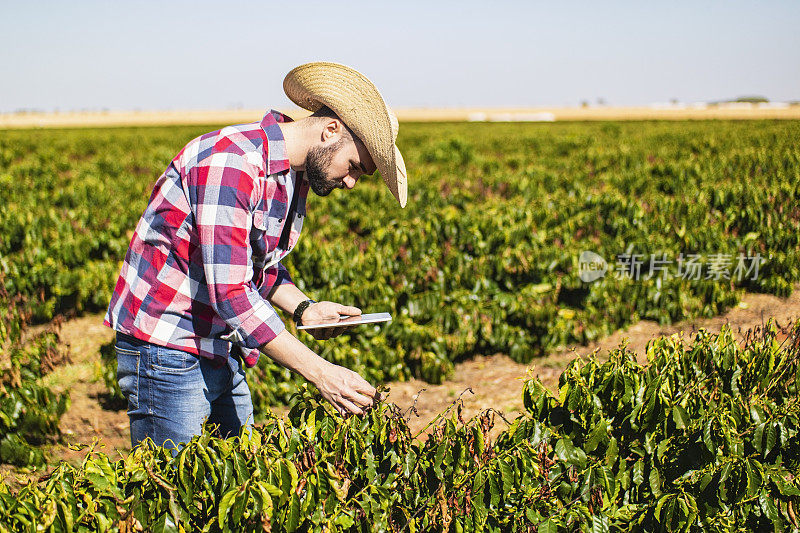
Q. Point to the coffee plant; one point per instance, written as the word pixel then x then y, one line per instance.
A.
pixel 29 411
pixel 483 260
pixel 485 257
pixel 703 437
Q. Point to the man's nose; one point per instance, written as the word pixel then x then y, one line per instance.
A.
pixel 350 181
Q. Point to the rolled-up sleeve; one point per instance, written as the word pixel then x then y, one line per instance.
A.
pixel 221 191
pixel 277 275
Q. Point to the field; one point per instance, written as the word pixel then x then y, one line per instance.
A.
pixel 736 111
pixel 482 270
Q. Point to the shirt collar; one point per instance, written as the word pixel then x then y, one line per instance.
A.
pixel 277 155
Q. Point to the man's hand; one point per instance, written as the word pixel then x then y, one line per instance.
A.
pixel 321 312
pixel 345 390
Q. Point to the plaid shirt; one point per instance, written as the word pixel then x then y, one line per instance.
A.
pixel 205 253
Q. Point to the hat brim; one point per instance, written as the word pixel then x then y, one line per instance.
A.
pixel 356 100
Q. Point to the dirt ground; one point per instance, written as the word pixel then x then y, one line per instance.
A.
pixel 495 380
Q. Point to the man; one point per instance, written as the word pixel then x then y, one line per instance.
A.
pixel 195 296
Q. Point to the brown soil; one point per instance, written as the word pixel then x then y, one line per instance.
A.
pixel 495 380
pixel 89 416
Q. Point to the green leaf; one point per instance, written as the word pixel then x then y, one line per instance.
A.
pixel 638 472
pixel 548 526
pixel 288 476
pixel 567 452
pixel 680 417
pixel 242 473
pixel 768 506
pixel 437 461
pixel 655 481
pixel 227 475
pixel 708 436
pixel 599 434
pixel 650 400
pixel 770 438
pixel 408 463
pixel 224 506
pixel 174 509
pixel 612 452
pixel 661 449
pixel 600 523
pixel 507 474
pixel 328 428
pixel 478 482
pixel 758 437
pixel 294 442
pixel 238 506
pixel 479 514
pixel 293 518
pixel 163 524
pixel 659 512
pixel 494 491
pixel 753 477
pixel 344 521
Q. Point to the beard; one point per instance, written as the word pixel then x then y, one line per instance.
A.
pixel 318 161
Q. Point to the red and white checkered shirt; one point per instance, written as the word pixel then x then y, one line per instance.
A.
pixel 205 253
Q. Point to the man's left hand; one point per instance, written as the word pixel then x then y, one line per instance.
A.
pixel 321 312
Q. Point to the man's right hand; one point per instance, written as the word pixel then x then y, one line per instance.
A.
pixel 344 389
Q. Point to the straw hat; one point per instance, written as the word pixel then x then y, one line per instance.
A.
pixel 359 104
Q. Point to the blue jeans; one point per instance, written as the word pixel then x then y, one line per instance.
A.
pixel 171 393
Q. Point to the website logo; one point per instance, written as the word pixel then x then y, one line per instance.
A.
pixel 591 266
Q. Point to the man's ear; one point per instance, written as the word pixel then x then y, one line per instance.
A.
pixel 331 128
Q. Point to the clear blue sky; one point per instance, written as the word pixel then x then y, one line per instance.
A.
pixel 211 55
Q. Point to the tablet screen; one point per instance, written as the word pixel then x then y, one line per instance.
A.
pixel 369 318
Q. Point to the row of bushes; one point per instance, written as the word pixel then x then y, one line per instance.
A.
pixel 29 410
pixel 483 260
pixel 704 437
pixel 485 257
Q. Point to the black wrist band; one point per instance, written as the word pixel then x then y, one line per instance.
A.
pixel 301 307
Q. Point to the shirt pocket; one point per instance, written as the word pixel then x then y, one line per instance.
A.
pixel 271 225
pixel 259 246
pixel 258 243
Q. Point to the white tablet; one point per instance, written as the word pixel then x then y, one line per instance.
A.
pixel 369 318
